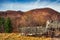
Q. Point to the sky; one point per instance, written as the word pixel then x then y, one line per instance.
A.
pixel 26 5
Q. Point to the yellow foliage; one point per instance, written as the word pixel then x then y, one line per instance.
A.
pixel 17 36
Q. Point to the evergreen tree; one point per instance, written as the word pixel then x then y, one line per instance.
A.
pixel 1 24
pixel 7 25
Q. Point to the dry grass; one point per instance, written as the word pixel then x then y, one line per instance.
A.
pixel 17 36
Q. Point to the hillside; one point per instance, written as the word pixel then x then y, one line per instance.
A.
pixel 35 17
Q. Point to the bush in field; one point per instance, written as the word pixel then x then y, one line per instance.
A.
pixel 1 23
pixel 7 25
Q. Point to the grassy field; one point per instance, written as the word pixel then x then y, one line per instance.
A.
pixel 17 36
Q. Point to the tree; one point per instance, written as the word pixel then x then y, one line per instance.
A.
pixel 1 24
pixel 8 25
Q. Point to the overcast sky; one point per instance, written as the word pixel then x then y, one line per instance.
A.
pixel 26 5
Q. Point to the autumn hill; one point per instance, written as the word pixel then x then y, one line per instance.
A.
pixel 33 17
